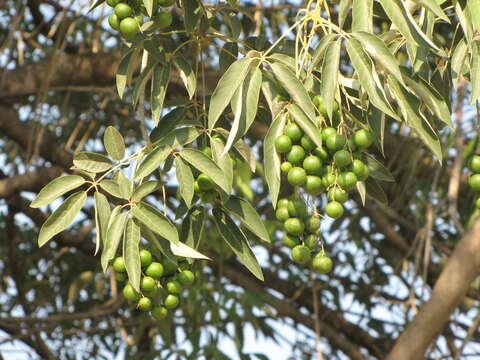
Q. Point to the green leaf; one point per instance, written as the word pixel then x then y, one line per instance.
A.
pixel 458 60
pixel 375 191
pixel 228 83
pixel 362 190
pixel 158 242
pixel 435 8
pixel 141 82
pixel 93 162
pixel 228 55
pixel 377 49
pixel 152 161
pixel 56 188
pixel 160 79
pixel 362 16
pixel 95 4
pixel 223 160
pixel 155 221
pixel 295 88
pixel 179 137
pixel 145 189
pixel 124 184
pixel 149 6
pixel 243 149
pixel 237 241
pixel 474 7
pixel 330 71
pixel 167 123
pixel 131 253
pixel 116 227
pixel 125 70
pixel 475 71
pixel 310 129
pixel 461 11
pixel 378 171
pixel 322 46
pixel 192 10
pixel 246 99
pixel 206 165
pixel 102 214
pixel 62 217
pixel 185 180
pixel 186 74
pixel 343 11
pixel 247 214
pixel 364 68
pixel 111 187
pixel 114 143
pixel 376 120
pixel 186 251
pixel 192 227
pixel 272 159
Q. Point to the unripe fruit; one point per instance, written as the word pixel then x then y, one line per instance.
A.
pixel 205 182
pixel 336 142
pixel 130 293
pixel 347 180
pixel 312 165
pixel 283 144
pixel 294 132
pixel 145 257
pixel 321 153
pixel 163 19
pixel 474 164
pixel 294 226
pixel 312 224
pixel 119 264
pixel 313 185
pixel 186 278
pixel 311 241
pixel 219 138
pixel 363 139
pixel 328 132
pixel 155 270
pixel 322 264
pixel 334 209
pixel 337 194
pixel 307 143
pixel 169 266
pixel 174 287
pixel 342 158
pixel 123 10
pixel 282 203
pixel 290 241
pixel 145 304
pixel 166 3
pixel 281 214
pixel 351 144
pixel 208 196
pixel 358 167
pixel 196 188
pixel 120 276
pixel 159 312
pixel 129 28
pixel 112 3
pixel 328 180
pixel 207 150
pixel 148 284
pixel 297 208
pixel 297 176
pixel 285 167
pixel 301 254
pixel 139 20
pixel 296 154
pixel 477 203
pixel 113 21
pixel 474 182
pixel 171 301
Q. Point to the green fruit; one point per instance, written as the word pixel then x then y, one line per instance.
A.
pixel 474 182
pixel 297 208
pixel 336 142
pixel 145 257
pixel 322 264
pixel 130 293
pixel 477 203
pixel 159 312
pixel 297 176
pixel 294 132
pixel 307 143
pixel 183 265
pixel 347 180
pixel 205 182
pixel 282 203
pixel 312 224
pixel 321 153
pixel 166 3
pixel 328 132
pixel 314 186
pixel 123 11
pixel 281 214
pixel 145 304
pixel 323 109
pixel 163 19
pixel 174 287
pixel 150 294
pixel 129 28
pixel 301 254
pixel 334 209
pixel 283 144
pixel 119 264
pixel 328 180
pixel 358 167
pixel 286 166
pixel 317 100
pixel 364 175
pixel 207 150
pixel 351 144
pixel 112 3
pixel 171 301
pixel 139 20
pixel 113 21
pixel 290 241
pixel 342 158
pixel 312 165
pixel 196 188
pixel 363 139
pixel 294 226
pixel 337 194
pixel 148 284
pixel 311 241
pixel 120 276
pixel 219 138
pixel 208 196
pixel 474 164
pixel 186 278
pixel 155 270
pixel 169 266
pixel 296 155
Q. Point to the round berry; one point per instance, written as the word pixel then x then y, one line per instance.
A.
pixel 148 284
pixel 207 150
pixel 186 278
pixel 120 276
pixel 114 22
pixel 334 209
pixel 129 28
pixel 283 144
pixel 119 264
pixel 174 287
pixel 155 270
pixel 290 241
pixel 159 312
pixel 474 182
pixel 321 153
pixel 281 214
pixel 474 164
pixel 171 301
pixel 347 180
pixel 337 194
pixel 145 257
pixel 477 203
pixel 286 166
pixel 169 266
pixel 294 132
pixel 130 293
pixel 297 176
pixel 296 154
pixel 163 19
pixel 112 3
pixel 342 158
pixel 145 304
pixel 322 264
pixel 205 182
pixel 312 224
pixel 312 165
pixel 311 241
pixel 313 185
pixel 301 254
pixel 336 142
pixel 307 143
pixel 363 139
pixel 282 203
pixel 123 10
pixel 328 179
pixel 294 226
pixel 208 196
pixel 297 208
pixel 328 132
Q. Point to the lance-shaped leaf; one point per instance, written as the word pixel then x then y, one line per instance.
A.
pixel 56 188
pixel 295 88
pixel 362 15
pixel 102 214
pixel 111 187
pixel 206 165
pixel 378 171
pixel 193 11
pixel 434 7
pixel 156 221
pixel 458 61
pixel 226 87
pixel 192 227
pixel 93 162
pixel 374 190
pixel 152 161
pixel 330 71
pixel 116 227
pixel 145 189
pixel 95 4
pixel 159 243
pixel 141 82
pixel 322 46
pixel 179 137
pixel 243 149
pixel 185 180
pixel 343 11
pixel 131 253
pixel 474 7
pixel 167 123
pixel 223 160
pixel 310 129
pixel 475 71
pixel 246 213
pixel 362 191
pixel 272 159
pixel 186 74
pixel 114 144
pixel 62 217
pixel 160 79
pixel 228 55
pixel 149 6
pixel 125 70
pixel 237 241
pixel 186 251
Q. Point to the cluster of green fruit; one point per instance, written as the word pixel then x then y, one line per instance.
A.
pixel 302 234
pixel 127 16
pixel 474 179
pixel 161 284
